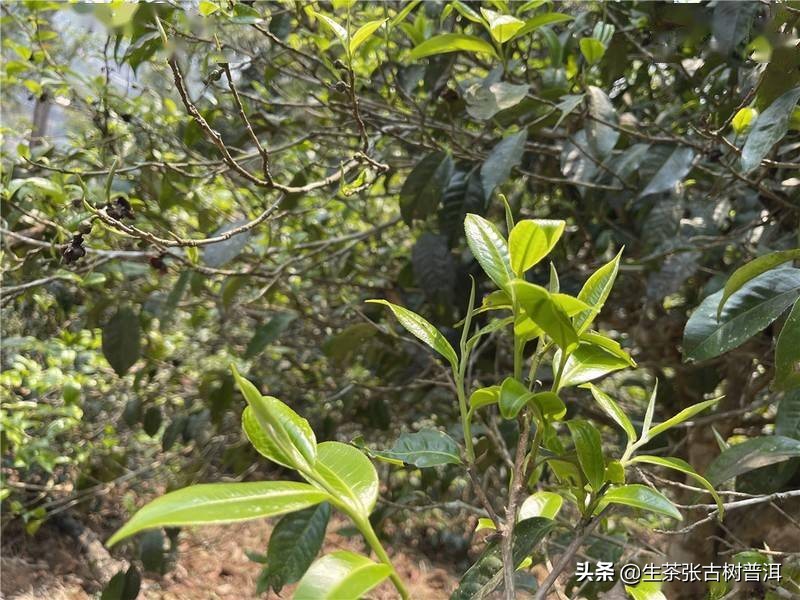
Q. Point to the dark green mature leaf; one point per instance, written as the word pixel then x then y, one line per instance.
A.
pixel 489 248
pixel 787 352
pixel 731 23
pixel 751 454
pixel 293 544
pixel 753 269
pixel 210 503
pixel 341 575
pixel 486 573
pixel 434 267
pixel 268 333
pixel 642 497
pixel 151 551
pixel 506 155
pixel 674 169
pixel 589 450
pixel 123 585
pixel 425 185
pixel 221 253
pixel 152 420
pixel 422 330
pixel 426 448
pixel 484 100
pixel 601 131
pixel 787 421
pixel 770 126
pixel 344 344
pixel 174 297
pixel 757 304
pixel 121 340
pixel 464 195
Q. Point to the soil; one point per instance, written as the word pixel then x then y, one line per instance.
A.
pixel 211 564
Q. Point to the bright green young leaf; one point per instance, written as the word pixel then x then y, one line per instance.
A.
pixel 341 575
pixel 262 442
pixel 422 330
pixel 787 352
pixel 348 475
pixel 339 31
pixel 484 397
pixel 613 410
pixel 287 431
pixel 642 497
pixel 753 269
pixel 531 240
pixel 743 119
pixel 589 450
pixel 749 310
pixel 481 578
pixel 452 42
pixel 426 448
pixel 293 544
pixel 646 590
pixel 207 8
pixel 502 27
pixel 489 248
pixel 769 128
pixel 592 49
pixel 751 454
pixel 513 396
pixel 648 415
pixel 540 504
pixel 401 16
pixel 684 415
pixel 595 292
pixel 211 503
pixel 538 21
pixel 363 33
pixel 543 310
pixel 681 465
pixel 549 404
pixel 590 361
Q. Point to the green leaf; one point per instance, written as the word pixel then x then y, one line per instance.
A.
pixel 672 172
pixel 121 340
pixel 339 31
pixel 486 573
pixel 787 353
pixel 646 590
pixel 754 306
pixel 678 464
pixel 613 410
pixel 753 269
pixel 422 330
pixel 546 312
pixel 489 248
pixel 485 99
pixel 639 496
pixel 770 126
pixel 531 240
pixel 268 333
pixel 506 155
pixel 341 575
pixel 452 42
pixel 221 253
pixel 595 292
pixel 348 475
pixel 590 361
pixel 601 132
pixel 540 504
pixel 207 8
pixel 502 27
pixel 262 442
pixel 589 450
pixel 125 585
pixel 592 49
pixel 743 119
pixel 513 396
pixel 648 414
pixel 294 543
pixel 538 21
pixel 426 448
pixel 425 186
pixel 730 24
pixel 549 404
pixel 286 430
pixel 363 33
pixel 787 420
pixel 484 396
pixel 211 503
pixel 751 454
pixel 685 414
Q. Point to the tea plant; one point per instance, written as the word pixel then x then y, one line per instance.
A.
pixel 548 327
